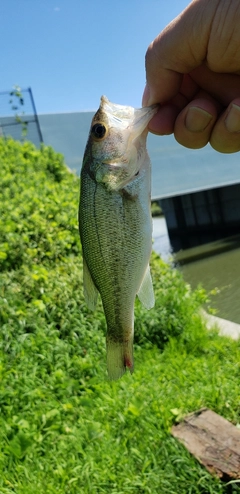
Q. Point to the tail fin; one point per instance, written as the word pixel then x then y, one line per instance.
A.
pixel 119 356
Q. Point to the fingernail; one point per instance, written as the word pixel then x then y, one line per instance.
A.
pixel 232 120
pixel 146 96
pixel 197 119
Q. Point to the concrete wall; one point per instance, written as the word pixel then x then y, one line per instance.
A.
pixel 202 217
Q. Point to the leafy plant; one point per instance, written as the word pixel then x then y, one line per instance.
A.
pixel 17 103
pixel 156 209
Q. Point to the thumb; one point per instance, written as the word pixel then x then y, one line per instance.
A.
pixel 178 49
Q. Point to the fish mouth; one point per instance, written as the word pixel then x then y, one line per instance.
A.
pixel 129 118
pixel 141 118
pixel 116 162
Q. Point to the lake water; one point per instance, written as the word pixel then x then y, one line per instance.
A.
pixel 221 271
pixel 174 169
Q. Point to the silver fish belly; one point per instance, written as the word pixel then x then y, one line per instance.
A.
pixel 115 224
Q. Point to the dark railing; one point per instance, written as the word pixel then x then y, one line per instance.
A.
pixel 18 116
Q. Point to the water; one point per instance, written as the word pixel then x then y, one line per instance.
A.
pixel 174 168
pixel 220 271
pixel 161 242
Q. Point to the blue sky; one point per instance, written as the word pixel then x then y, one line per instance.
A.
pixel 70 52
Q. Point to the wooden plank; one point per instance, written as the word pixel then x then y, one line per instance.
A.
pixel 213 440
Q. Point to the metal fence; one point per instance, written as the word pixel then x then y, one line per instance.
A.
pixel 18 116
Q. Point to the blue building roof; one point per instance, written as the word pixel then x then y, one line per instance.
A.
pixel 176 170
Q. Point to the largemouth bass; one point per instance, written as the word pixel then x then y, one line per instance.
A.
pixel 115 223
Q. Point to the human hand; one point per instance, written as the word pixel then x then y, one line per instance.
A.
pixel 193 71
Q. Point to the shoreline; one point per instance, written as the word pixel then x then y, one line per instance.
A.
pixel 225 327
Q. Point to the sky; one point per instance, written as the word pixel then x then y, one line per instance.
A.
pixel 70 52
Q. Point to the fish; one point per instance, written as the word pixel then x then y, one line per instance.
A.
pixel 115 224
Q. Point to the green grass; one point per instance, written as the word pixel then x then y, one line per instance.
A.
pixel 64 428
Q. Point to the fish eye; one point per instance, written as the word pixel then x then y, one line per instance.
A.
pixel 98 131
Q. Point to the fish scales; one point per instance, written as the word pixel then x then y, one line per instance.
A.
pixel 115 229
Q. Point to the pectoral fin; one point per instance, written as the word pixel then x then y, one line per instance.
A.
pixel 89 289
pixel 145 292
